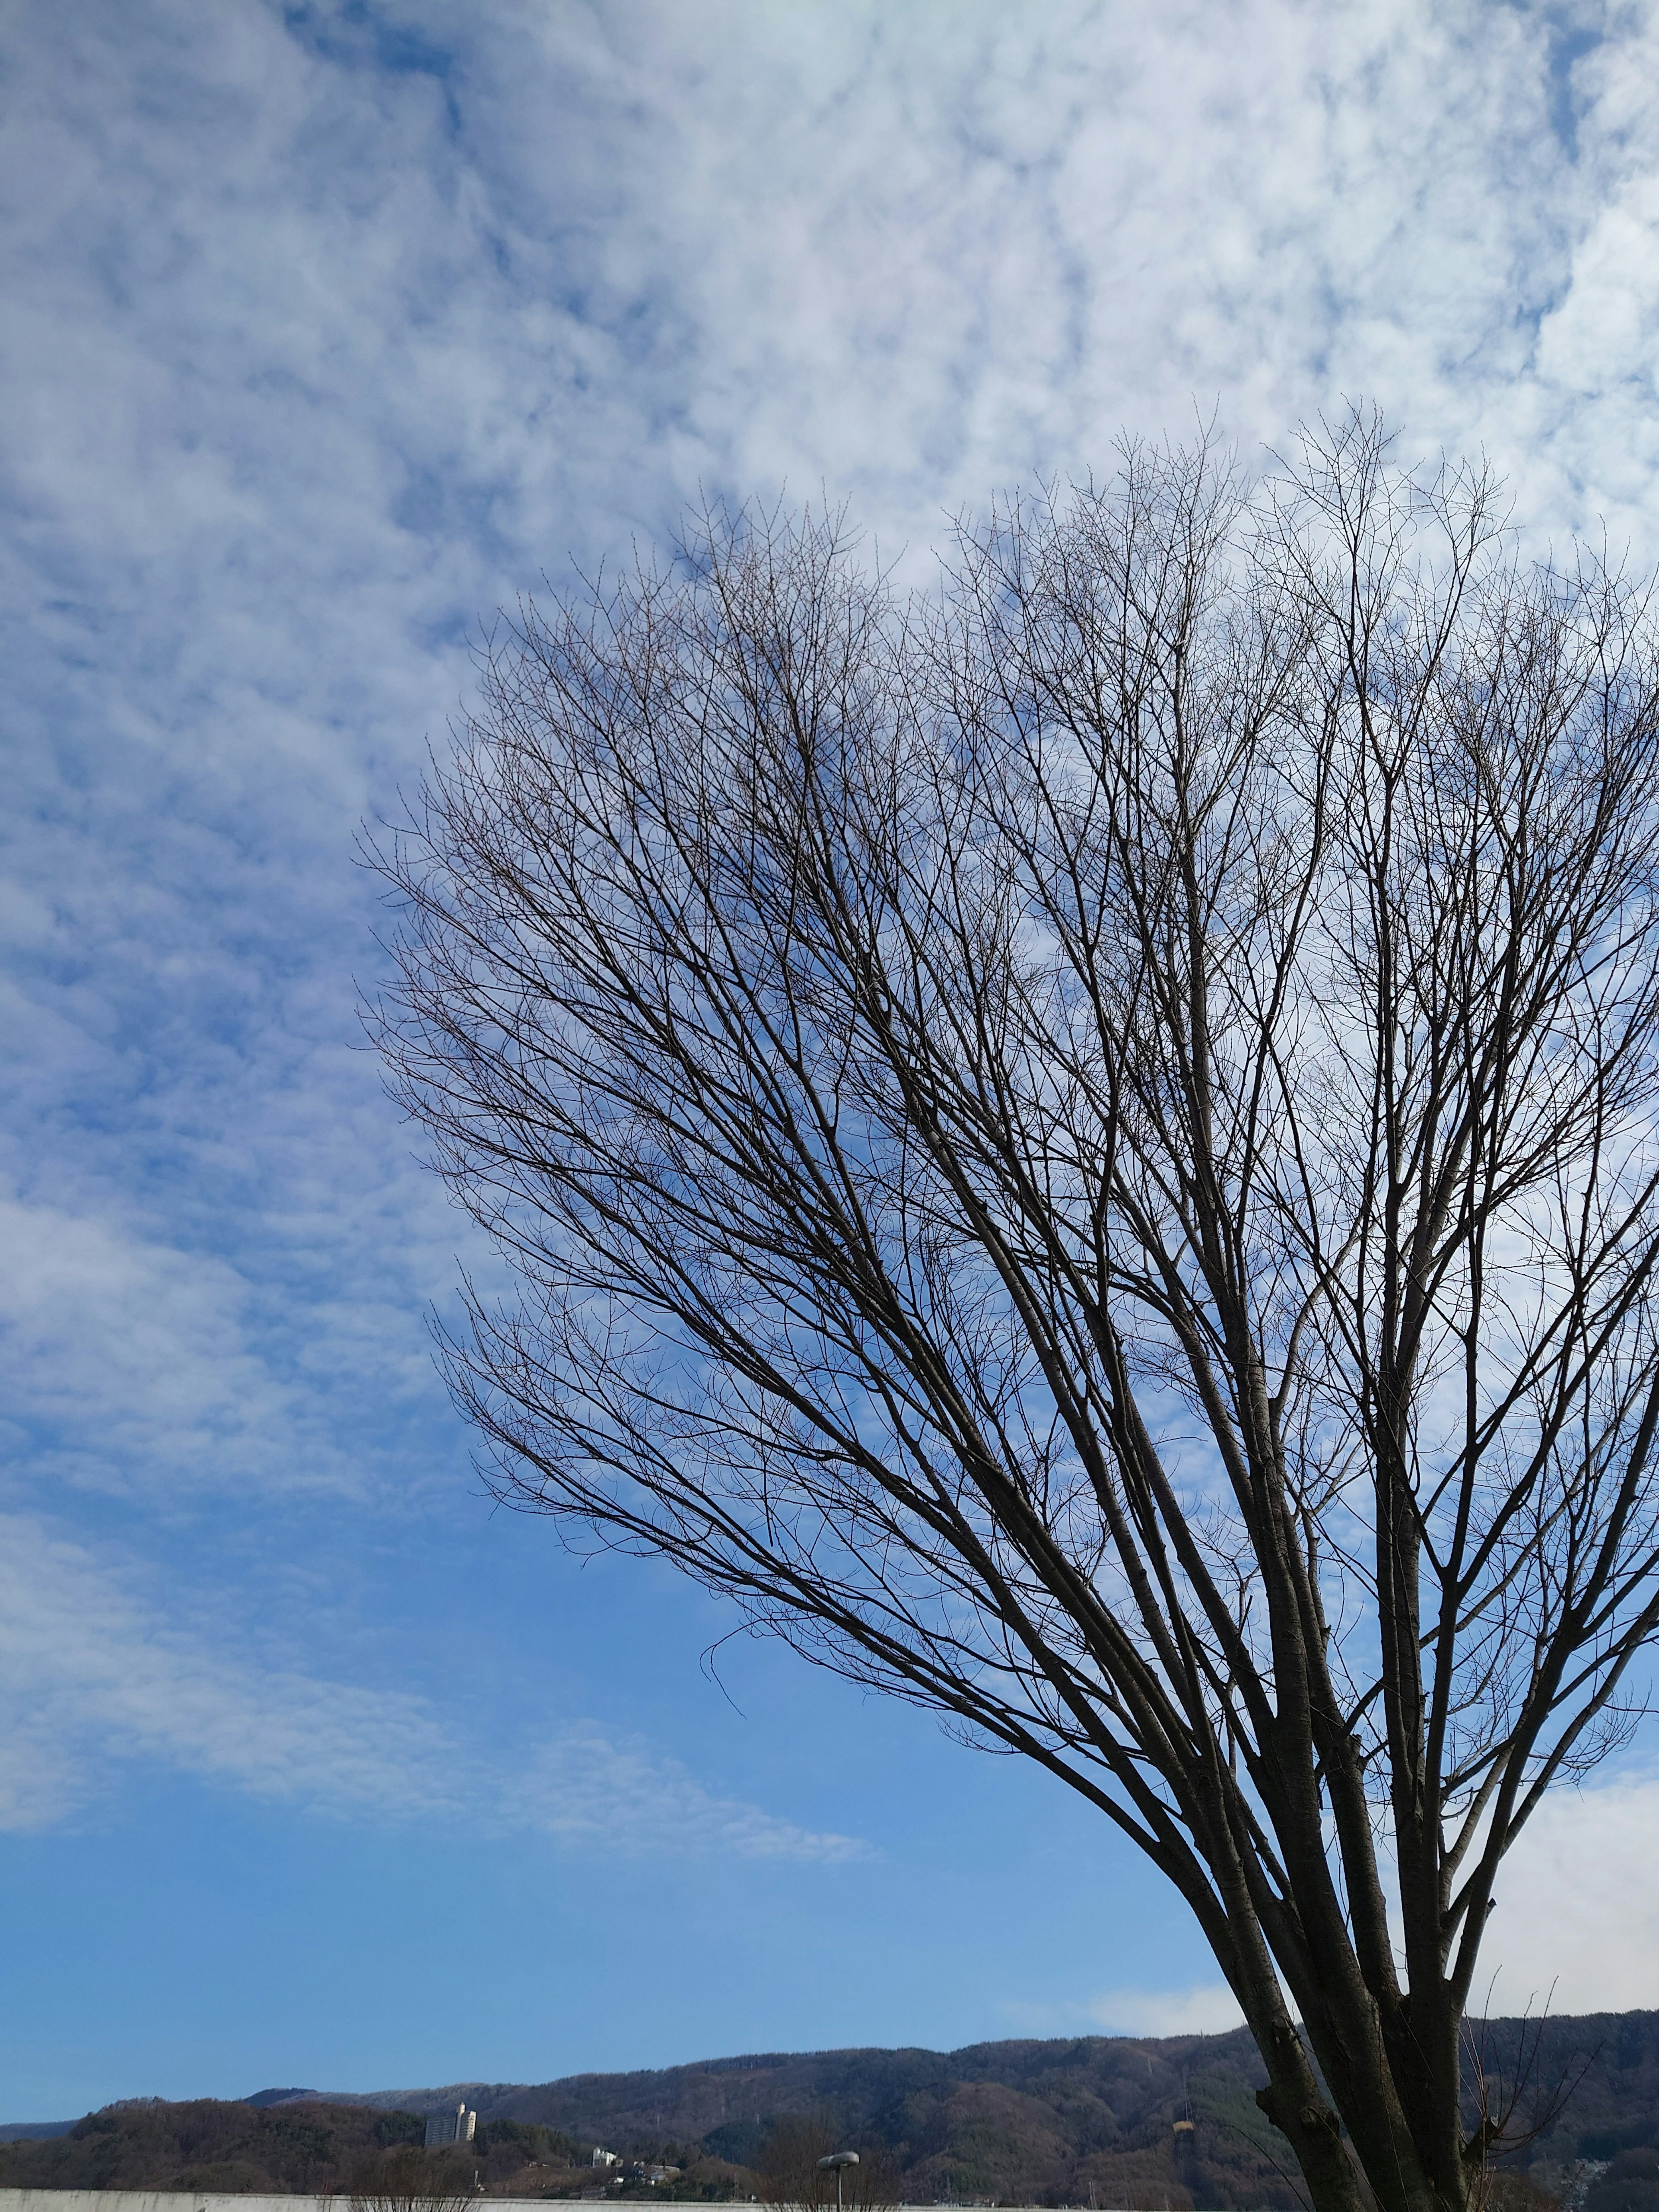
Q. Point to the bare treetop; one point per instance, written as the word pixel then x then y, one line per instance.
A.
pixel 1082 1145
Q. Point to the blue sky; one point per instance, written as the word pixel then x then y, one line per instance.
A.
pixel 328 330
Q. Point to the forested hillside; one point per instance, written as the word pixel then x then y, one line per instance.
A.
pixel 297 2143
pixel 1074 2121
pixel 1086 2121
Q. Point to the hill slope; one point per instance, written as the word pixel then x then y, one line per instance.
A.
pixel 295 2143
pixel 1086 2120
pixel 1058 2119
pixel 1074 2121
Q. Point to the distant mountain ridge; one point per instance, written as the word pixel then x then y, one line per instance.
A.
pixel 1075 2120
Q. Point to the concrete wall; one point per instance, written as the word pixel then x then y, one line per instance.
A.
pixel 161 2200
pixel 206 2200
pixel 202 2200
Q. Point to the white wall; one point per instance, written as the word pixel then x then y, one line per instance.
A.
pixel 208 2200
pixel 160 2200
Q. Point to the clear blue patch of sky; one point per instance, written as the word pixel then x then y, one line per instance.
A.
pixel 1571 36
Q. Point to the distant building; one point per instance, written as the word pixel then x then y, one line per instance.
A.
pixel 603 2157
pixel 443 2128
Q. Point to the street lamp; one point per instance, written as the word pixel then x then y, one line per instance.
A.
pixel 838 2162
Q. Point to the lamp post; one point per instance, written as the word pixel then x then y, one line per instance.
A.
pixel 837 2162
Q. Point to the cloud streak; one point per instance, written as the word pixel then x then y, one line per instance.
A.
pixel 135 1362
pixel 90 1673
pixel 583 1788
pixel 1206 2009
pixel 91 1677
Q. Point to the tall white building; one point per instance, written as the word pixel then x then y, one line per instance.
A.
pixel 443 2128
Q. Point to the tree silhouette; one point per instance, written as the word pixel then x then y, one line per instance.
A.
pixel 1081 1144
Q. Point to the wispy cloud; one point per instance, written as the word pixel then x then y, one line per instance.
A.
pixel 624 1796
pixel 313 360
pixel 1205 2009
pixel 329 332
pixel 90 1674
pixel 131 1360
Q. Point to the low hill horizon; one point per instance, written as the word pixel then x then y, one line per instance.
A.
pixel 1087 2120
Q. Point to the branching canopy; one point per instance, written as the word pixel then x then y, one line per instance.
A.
pixel 1082 1144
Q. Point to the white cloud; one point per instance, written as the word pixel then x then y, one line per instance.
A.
pixel 92 1676
pixel 311 361
pixel 1206 2009
pixel 1576 1927
pixel 1576 1922
pixel 135 1358
pixel 583 1788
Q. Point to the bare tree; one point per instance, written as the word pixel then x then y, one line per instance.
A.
pixel 1082 1145
pixel 407 2180
pixel 794 2177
